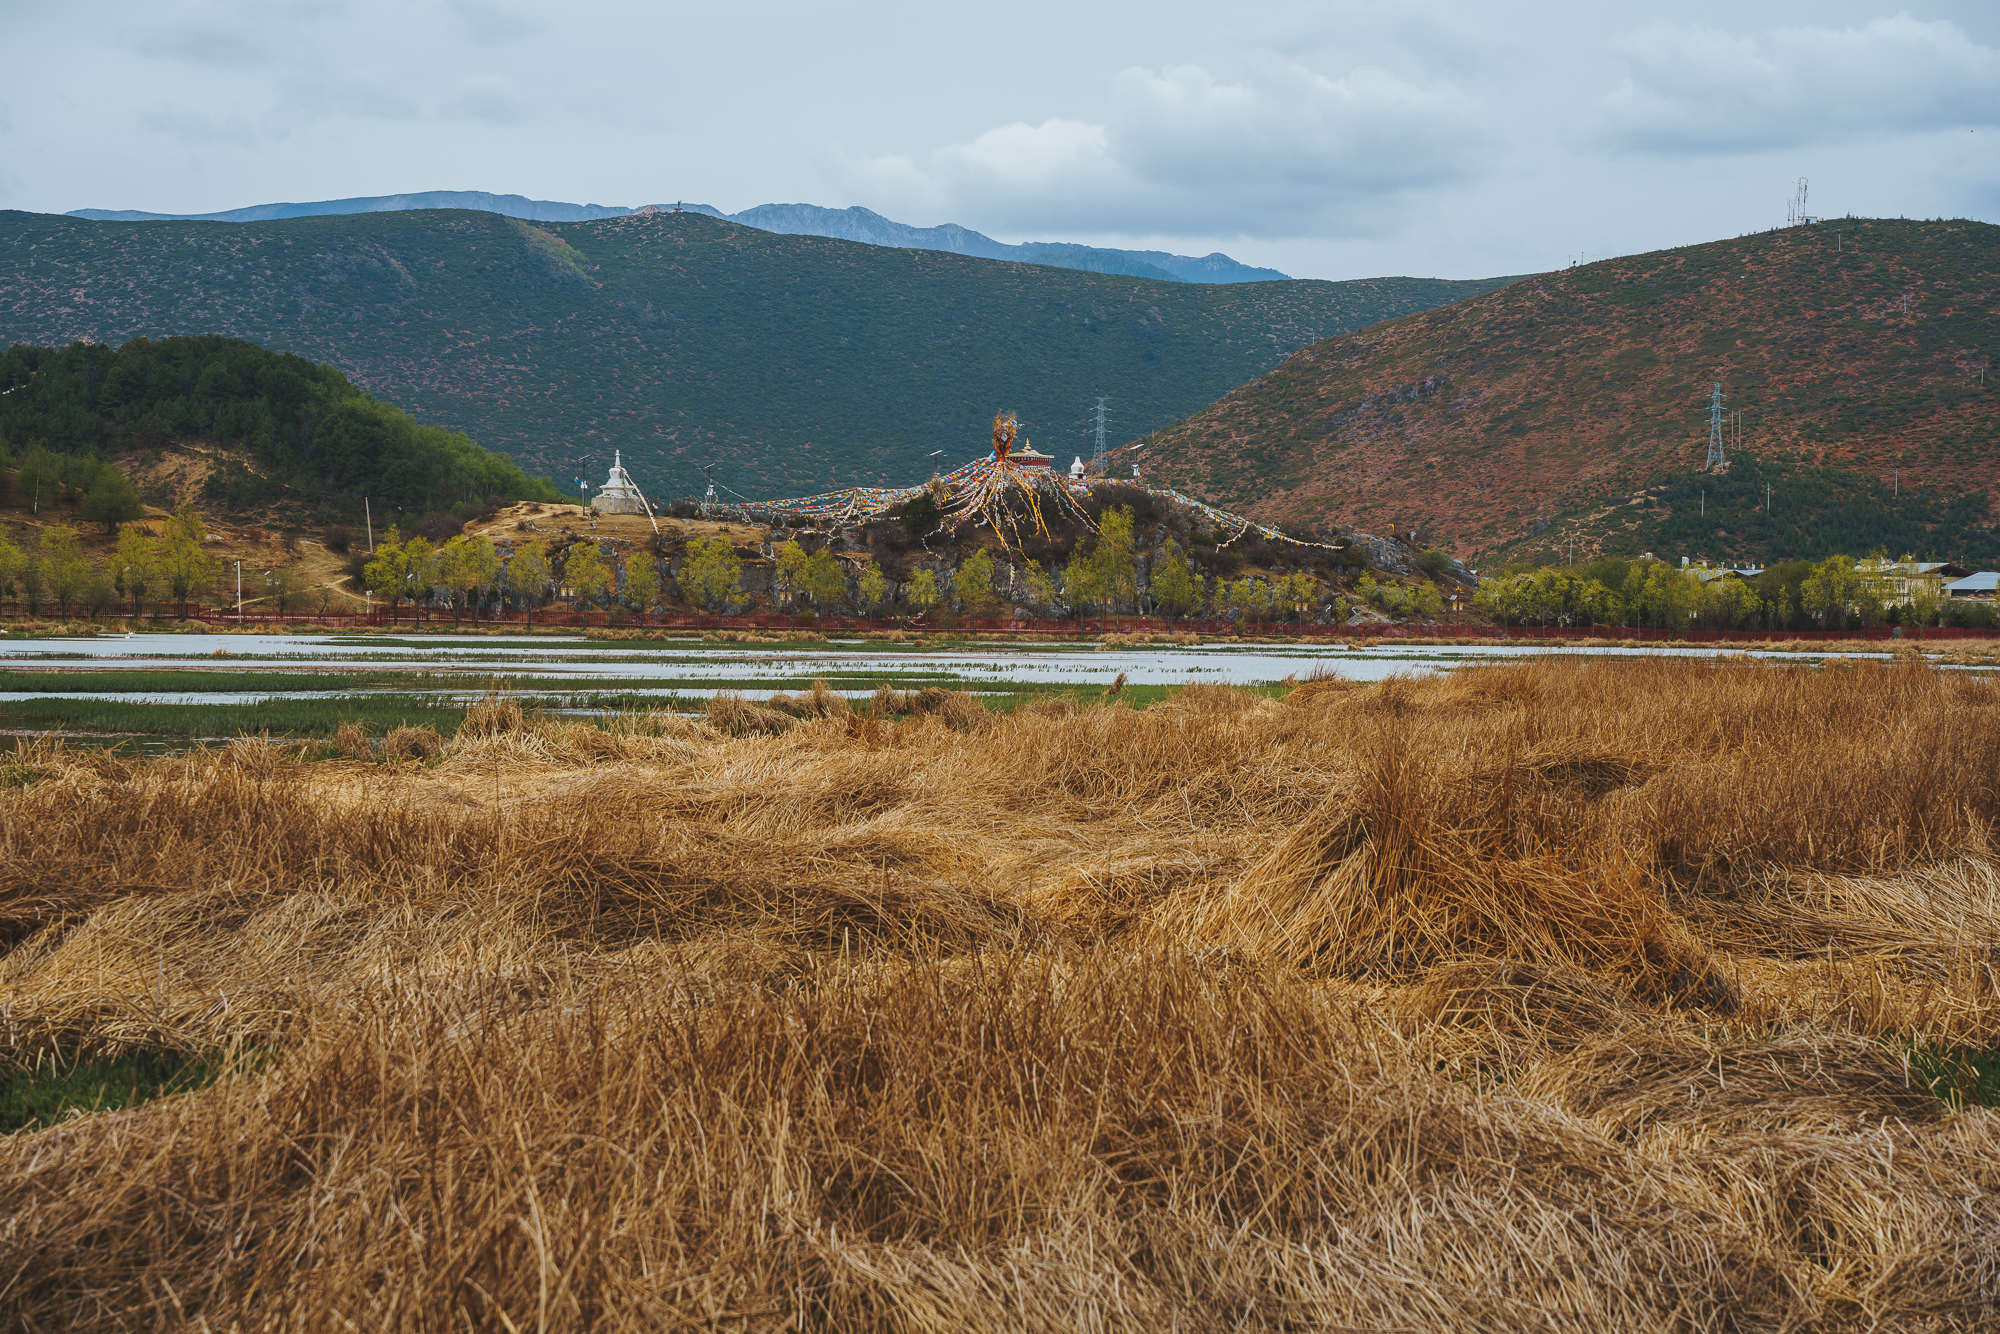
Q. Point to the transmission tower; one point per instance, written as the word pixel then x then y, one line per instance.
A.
pixel 708 501
pixel 1716 460
pixel 1097 456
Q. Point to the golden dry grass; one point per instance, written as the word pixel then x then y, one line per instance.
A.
pixel 1554 996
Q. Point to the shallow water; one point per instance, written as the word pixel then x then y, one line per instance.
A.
pixel 683 667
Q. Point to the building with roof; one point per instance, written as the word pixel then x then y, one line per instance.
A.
pixel 1980 586
pixel 1902 580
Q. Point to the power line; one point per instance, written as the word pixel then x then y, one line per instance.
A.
pixel 1716 461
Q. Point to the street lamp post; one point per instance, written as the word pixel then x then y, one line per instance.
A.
pixel 239 589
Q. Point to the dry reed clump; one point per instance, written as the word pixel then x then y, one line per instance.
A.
pixel 822 701
pixel 495 713
pixel 411 743
pixel 730 713
pixel 352 740
pixel 1399 1005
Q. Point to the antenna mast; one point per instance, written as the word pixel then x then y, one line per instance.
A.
pixel 1716 461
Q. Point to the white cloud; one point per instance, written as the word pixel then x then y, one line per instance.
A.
pixel 488 24
pixel 1287 152
pixel 212 44
pixel 486 97
pixel 1702 91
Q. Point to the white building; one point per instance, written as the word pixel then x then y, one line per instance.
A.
pixel 619 495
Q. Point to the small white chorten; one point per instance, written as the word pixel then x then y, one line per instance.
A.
pixel 1076 469
pixel 618 495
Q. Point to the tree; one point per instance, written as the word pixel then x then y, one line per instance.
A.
pixel 712 573
pixel 478 570
pixel 185 568
pixel 825 580
pixel 467 567
pixel 642 582
pixel 874 587
pixel 975 581
pixel 528 574
pixel 1296 592
pixel 420 571
pixel 288 585
pixel 13 562
pixel 791 570
pixel 1173 583
pixel 33 587
pixel 1116 577
pixel 586 573
pixel 134 559
pixel 1038 586
pixel 1250 598
pixel 65 566
pixel 111 500
pixel 1082 584
pixel 100 596
pixel 919 516
pixel 384 576
pixel 923 589
pixel 39 475
pixel 1831 590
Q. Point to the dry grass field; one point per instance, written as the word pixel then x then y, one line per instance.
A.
pixel 1626 995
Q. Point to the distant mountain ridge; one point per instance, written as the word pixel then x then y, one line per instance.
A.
pixel 512 206
pixel 846 224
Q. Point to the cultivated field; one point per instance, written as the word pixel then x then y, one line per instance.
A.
pixel 1614 995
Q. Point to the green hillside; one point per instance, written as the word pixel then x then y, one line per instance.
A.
pixel 794 363
pixel 317 443
pixel 1571 409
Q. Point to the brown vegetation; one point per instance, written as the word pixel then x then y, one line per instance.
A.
pixel 1563 995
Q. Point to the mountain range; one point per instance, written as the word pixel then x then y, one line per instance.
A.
pixel 1569 413
pixel 848 224
pixel 792 363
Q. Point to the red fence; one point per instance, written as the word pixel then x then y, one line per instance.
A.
pixel 1069 629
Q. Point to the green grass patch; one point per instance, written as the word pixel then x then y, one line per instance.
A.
pixel 32 1099
pixel 192 682
pixel 1960 1076
pixel 293 717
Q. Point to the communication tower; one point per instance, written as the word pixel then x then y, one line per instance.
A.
pixel 1796 212
pixel 1716 460
pixel 708 501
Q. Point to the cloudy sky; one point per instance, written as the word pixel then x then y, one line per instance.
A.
pixel 1335 140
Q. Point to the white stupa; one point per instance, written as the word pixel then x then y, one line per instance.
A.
pixel 1076 469
pixel 619 495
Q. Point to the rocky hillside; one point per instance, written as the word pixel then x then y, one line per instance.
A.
pixel 1573 407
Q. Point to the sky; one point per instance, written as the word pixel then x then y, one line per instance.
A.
pixel 1433 138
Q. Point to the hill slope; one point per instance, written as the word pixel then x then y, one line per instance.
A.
pixel 794 362
pixel 266 430
pixel 1511 423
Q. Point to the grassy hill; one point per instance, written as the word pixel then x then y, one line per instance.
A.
pixel 1573 407
pixel 266 431
pixel 795 363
